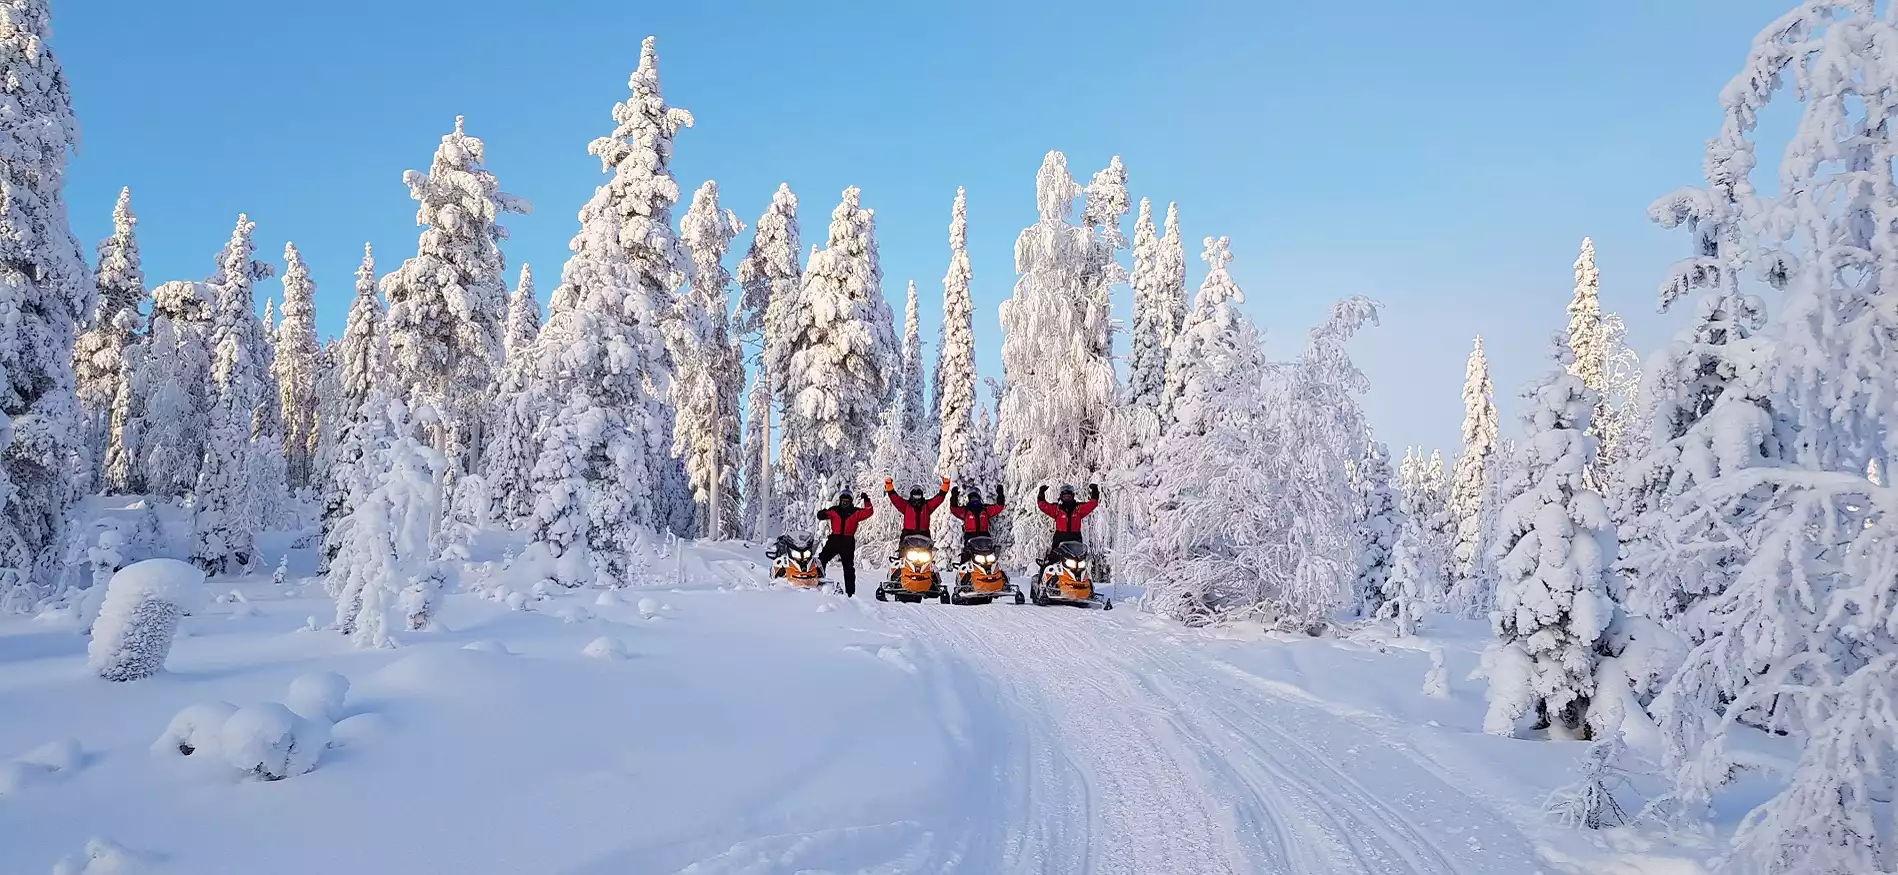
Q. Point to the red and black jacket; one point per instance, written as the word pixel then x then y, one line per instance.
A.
pixel 916 518
pixel 844 518
pixel 1068 520
pixel 976 522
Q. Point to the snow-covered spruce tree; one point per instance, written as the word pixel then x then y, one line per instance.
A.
pixel 708 371
pixel 954 381
pixel 100 357
pixel 448 303
pixel 770 271
pixel 386 561
pixel 1469 593
pixel 523 316
pixel 1421 585
pixel 44 291
pixel 984 467
pixel 1439 528
pixel 1146 363
pixel 143 602
pixel 760 519
pixel 1405 594
pixel 226 520
pixel 1553 603
pixel 600 362
pixel 172 378
pixel 362 367
pixel 295 368
pixel 837 358
pixel 1378 520
pixel 1170 283
pixel 1588 336
pixel 909 394
pixel 1058 388
pixel 1261 519
pixel 1800 640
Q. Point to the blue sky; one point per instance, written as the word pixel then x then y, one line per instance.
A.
pixel 1445 164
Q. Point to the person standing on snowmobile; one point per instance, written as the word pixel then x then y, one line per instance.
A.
pixel 844 517
pixel 975 515
pixel 1067 514
pixel 916 510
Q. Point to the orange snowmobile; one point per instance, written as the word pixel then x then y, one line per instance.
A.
pixel 913 574
pixel 795 560
pixel 981 580
pixel 1066 579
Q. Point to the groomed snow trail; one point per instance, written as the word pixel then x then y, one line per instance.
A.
pixel 1117 749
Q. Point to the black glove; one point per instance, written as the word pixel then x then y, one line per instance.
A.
pixel 1094 491
pixel 998 494
pixel 864 497
pixel 1043 493
pixel 955 496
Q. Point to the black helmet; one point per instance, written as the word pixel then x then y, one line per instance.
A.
pixel 916 492
pixel 1067 491
pixel 844 497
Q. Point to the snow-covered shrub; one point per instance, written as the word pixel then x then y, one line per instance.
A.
pixel 142 605
pixel 1378 522
pixel 1436 682
pixel 605 647
pixel 102 857
pixel 1590 801
pixel 318 696
pixel 61 755
pixel 649 607
pixel 195 728
pixel 282 575
pixel 271 742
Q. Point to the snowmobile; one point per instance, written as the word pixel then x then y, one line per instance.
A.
pixel 795 560
pixel 913 574
pixel 981 580
pixel 1067 580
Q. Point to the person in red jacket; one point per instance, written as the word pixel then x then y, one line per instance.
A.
pixel 844 517
pixel 916 510
pixel 1067 513
pixel 975 516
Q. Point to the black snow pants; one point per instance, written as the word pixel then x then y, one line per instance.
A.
pixel 844 549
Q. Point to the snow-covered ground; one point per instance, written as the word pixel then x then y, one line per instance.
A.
pixel 722 727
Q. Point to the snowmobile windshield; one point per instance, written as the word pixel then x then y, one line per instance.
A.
pixel 1070 550
pixel 981 544
pixel 917 542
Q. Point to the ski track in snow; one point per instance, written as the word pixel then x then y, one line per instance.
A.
pixel 1117 750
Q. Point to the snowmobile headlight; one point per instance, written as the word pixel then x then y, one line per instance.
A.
pixel 918 555
pixel 801 554
pixel 1072 563
pixel 985 558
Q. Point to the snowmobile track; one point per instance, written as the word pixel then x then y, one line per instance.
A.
pixel 1137 754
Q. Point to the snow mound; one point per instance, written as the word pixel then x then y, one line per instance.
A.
pixel 826 608
pixel 516 601
pixel 102 857
pixel 649 607
pixel 318 696
pixel 63 755
pixel 136 624
pixel 574 614
pixel 196 728
pixel 605 647
pixel 609 598
pixel 488 645
pixel 355 730
pixel 270 741
pixel 15 777
pixel 895 656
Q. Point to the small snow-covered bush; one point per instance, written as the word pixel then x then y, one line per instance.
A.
pixel 270 741
pixel 1436 683
pixel 1590 801
pixel 140 615
pixel 649 608
pixel 102 857
pixel 318 696
pixel 196 728
pixel 63 755
pixel 605 647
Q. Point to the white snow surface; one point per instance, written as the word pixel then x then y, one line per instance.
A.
pixel 754 731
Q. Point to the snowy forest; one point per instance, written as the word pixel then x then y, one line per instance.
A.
pixel 1682 553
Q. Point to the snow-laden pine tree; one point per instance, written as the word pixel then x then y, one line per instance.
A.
pixel 1170 284
pixel 600 377
pixel 173 378
pixel 1378 520
pixel 1439 527
pixel 448 303
pixel 296 369
pixel 523 316
pixel 1595 339
pixel 1138 422
pixel 1469 578
pixel 984 467
pixel 226 519
pixel 362 368
pixel 708 370
pixel 100 357
pixel 770 272
pixel 954 381
pixel 909 394
pixel 1407 585
pixel 44 291
pixel 1058 388
pixel 1553 599
pixel 837 360
pixel 1800 641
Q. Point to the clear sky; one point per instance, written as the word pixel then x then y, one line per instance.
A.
pixel 1444 159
